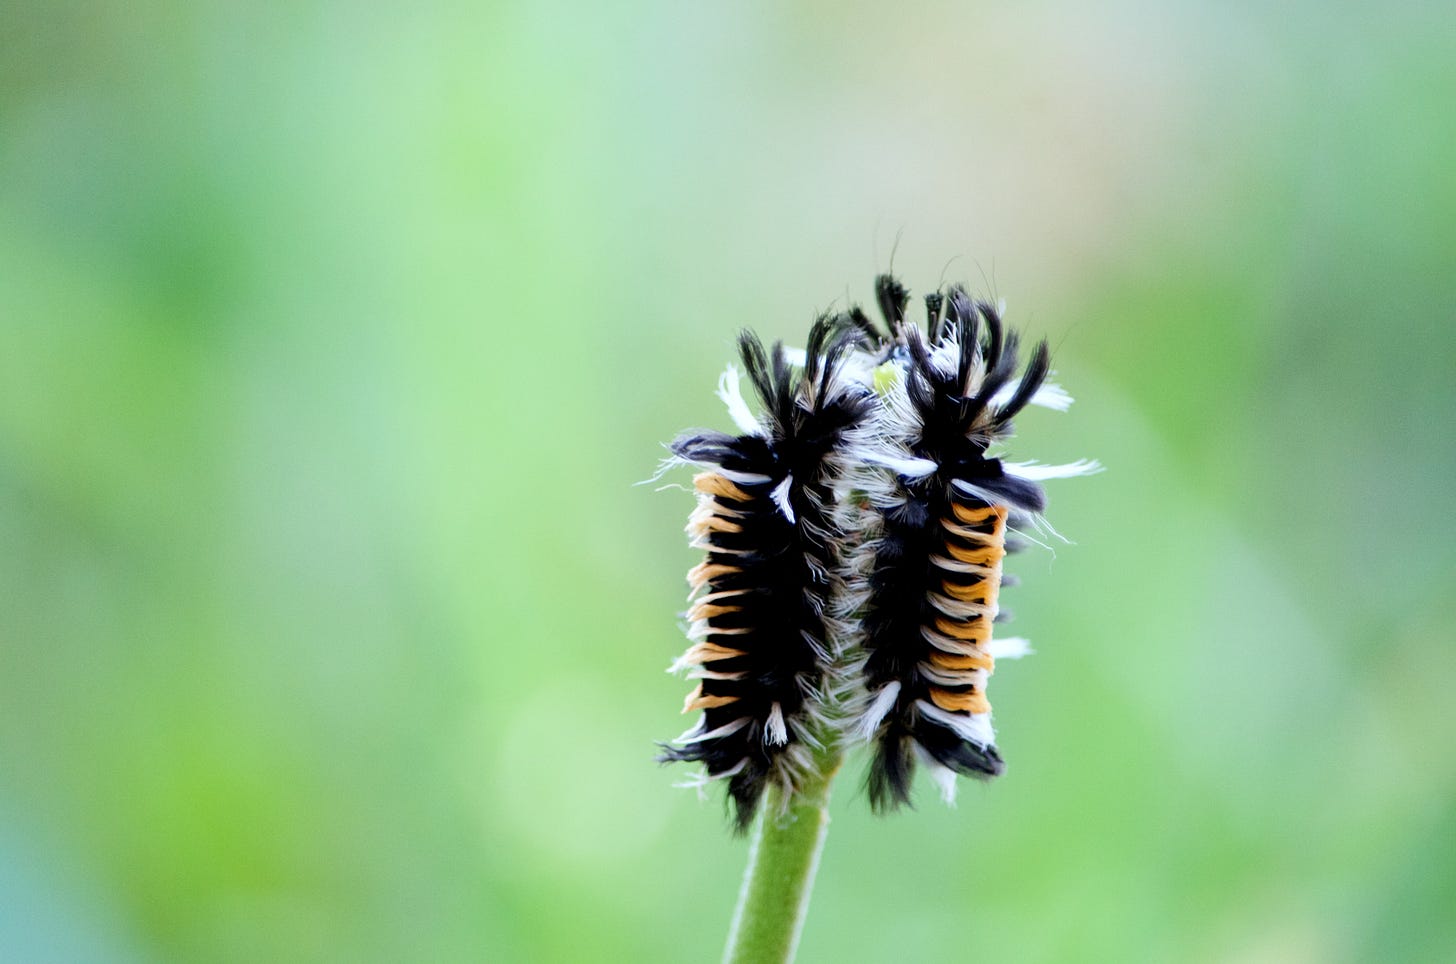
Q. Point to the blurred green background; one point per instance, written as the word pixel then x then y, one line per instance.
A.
pixel 333 337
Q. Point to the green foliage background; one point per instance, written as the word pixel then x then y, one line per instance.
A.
pixel 333 337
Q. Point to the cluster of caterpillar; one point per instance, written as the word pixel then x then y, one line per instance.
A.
pixel 854 537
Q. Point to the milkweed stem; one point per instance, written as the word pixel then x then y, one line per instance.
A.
pixel 782 858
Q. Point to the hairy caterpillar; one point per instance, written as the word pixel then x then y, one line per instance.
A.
pixel 940 503
pixel 765 643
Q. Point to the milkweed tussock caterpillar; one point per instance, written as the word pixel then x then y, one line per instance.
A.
pixel 854 534
pixel 939 504
pixel 766 645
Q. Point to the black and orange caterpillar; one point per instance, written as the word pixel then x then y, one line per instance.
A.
pixel 940 503
pixel 766 646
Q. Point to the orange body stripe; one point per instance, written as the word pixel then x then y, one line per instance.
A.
pixel 986 590
pixel 983 556
pixel 720 595
pixel 706 570
pixel 979 516
pixel 714 484
pixel 952 661
pixel 712 523
pixel 977 631
pixel 709 610
pixel 969 701
pixel 698 700
pixel 711 652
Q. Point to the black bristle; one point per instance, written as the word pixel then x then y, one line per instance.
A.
pixel 1031 380
pixel 933 303
pixel 870 336
pixel 893 297
pixel 888 780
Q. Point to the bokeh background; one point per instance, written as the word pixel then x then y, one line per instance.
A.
pixel 334 336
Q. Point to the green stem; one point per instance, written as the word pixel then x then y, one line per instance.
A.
pixel 782 858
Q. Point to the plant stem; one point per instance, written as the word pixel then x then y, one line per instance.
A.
pixel 782 858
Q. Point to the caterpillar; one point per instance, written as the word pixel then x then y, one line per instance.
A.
pixel 766 644
pixel 940 503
